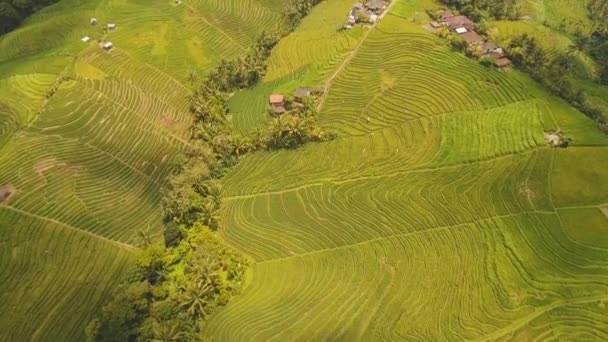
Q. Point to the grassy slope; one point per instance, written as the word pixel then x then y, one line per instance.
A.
pixel 557 38
pixel 88 164
pixel 437 214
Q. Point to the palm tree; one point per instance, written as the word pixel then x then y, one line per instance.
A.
pixel 209 215
pixel 145 236
pixel 166 332
pixel 197 297
pixel 241 145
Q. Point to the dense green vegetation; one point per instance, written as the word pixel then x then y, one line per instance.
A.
pixel 13 12
pixel 435 211
pixel 179 282
pixel 496 9
pixel 438 193
pixel 88 140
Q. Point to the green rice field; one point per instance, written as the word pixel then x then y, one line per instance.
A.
pixel 87 138
pixel 438 213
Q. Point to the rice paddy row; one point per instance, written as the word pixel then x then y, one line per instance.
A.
pixel 87 138
pixel 437 214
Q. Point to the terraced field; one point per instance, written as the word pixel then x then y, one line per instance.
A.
pixel 305 58
pixel 87 138
pixel 438 213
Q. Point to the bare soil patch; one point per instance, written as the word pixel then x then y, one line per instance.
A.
pixel 7 191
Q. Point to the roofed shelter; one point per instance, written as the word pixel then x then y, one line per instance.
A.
pixel 472 37
pixel 278 109
pixel 444 15
pixel 376 6
pixel 502 62
pixel 488 47
pixel 459 21
pixel 276 100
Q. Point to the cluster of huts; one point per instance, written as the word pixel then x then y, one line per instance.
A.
pixel 365 13
pixel 104 45
pixel 277 101
pixel 464 27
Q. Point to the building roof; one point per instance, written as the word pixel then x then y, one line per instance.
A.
pixel 85 39
pixel 459 21
pixel 107 45
pixel 435 24
pixel 443 15
pixel 488 47
pixel 502 62
pixel 461 30
pixel 276 99
pixel 472 37
pixel 278 109
pixel 375 4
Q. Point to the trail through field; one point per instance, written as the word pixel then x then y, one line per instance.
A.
pixel 352 53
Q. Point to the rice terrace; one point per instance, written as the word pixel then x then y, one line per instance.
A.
pixel 303 170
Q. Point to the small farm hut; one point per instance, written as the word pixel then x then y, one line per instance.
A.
pixel 276 100
pixel 108 45
pixel 85 39
pixel 93 21
pixel 461 30
pixel 502 62
pixel 111 26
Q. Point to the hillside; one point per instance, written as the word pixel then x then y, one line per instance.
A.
pixel 87 138
pixel 438 213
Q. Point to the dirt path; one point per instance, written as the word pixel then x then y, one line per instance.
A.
pixel 351 54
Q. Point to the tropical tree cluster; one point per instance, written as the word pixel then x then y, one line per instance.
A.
pixel 554 73
pixel 171 291
pixel 13 12
pixel 295 127
pixel 479 9
pixel 180 280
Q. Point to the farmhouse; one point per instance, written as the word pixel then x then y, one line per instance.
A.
pixel 85 39
pixel 435 24
pixel 459 21
pixel 444 15
pixel 108 45
pixel 472 38
pixel 276 100
pixel 111 26
pixel 376 6
pixel 502 62
pixel 277 103
pixel 488 48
